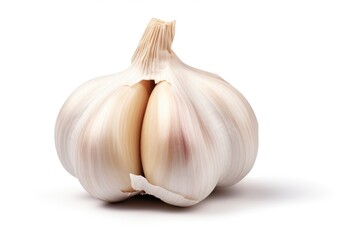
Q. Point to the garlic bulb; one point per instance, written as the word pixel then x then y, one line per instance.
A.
pixel 159 127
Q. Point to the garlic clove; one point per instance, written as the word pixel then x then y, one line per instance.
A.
pixel 176 147
pixel 108 146
pixel 156 130
pixel 77 107
pixel 240 128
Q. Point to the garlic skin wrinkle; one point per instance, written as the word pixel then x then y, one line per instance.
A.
pixel 159 127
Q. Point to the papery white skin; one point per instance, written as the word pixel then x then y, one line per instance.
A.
pixel 177 140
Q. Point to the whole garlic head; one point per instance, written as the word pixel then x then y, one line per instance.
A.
pixel 160 127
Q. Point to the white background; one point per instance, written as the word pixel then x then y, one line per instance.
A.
pixel 297 62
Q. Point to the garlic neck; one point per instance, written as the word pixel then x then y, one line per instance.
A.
pixel 154 49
